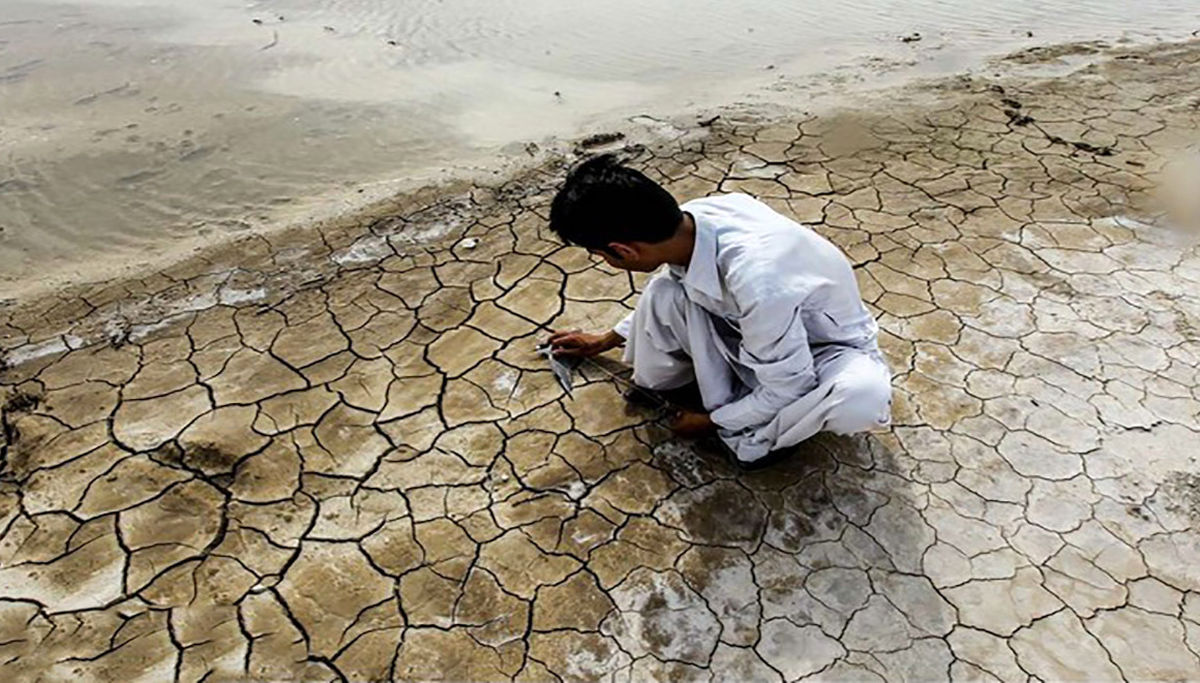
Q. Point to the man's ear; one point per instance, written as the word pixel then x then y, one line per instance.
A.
pixel 622 251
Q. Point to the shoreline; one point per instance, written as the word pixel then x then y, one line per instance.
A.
pixel 318 250
pixel 848 86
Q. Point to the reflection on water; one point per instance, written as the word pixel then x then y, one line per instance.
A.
pixel 126 125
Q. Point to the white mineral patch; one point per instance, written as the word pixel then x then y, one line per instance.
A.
pixel 28 352
pixel 365 250
pixel 233 297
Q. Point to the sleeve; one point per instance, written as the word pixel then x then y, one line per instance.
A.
pixel 623 328
pixel 775 347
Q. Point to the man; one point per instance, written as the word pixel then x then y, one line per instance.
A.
pixel 760 312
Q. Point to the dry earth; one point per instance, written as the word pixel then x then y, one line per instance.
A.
pixel 333 454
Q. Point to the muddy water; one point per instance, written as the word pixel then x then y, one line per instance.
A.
pixel 129 128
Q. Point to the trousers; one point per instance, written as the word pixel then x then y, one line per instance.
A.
pixel 673 342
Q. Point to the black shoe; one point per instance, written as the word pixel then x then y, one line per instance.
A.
pixel 768 460
pixel 686 397
pixel 644 398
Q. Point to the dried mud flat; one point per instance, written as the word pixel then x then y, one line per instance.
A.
pixel 332 454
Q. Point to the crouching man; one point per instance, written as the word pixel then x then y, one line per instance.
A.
pixel 761 313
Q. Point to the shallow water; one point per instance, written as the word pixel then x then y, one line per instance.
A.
pixel 127 126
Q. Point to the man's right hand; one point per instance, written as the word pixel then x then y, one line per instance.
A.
pixel 576 344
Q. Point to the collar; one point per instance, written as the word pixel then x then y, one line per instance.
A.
pixel 701 273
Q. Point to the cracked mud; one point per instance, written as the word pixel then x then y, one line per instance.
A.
pixel 335 454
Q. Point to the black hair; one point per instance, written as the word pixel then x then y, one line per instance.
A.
pixel 603 202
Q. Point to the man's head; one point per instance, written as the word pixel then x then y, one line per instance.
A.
pixel 617 213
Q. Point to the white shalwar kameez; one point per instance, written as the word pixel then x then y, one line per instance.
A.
pixel 768 321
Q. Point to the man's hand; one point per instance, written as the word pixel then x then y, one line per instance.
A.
pixel 692 425
pixel 576 344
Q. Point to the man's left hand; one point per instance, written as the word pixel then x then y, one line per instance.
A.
pixel 692 425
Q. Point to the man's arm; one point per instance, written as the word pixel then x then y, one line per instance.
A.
pixel 775 346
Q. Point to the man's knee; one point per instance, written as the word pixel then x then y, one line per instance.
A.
pixel 657 349
pixel 664 299
pixel 863 402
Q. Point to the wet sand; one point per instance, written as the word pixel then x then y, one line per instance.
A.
pixel 331 452
pixel 134 131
